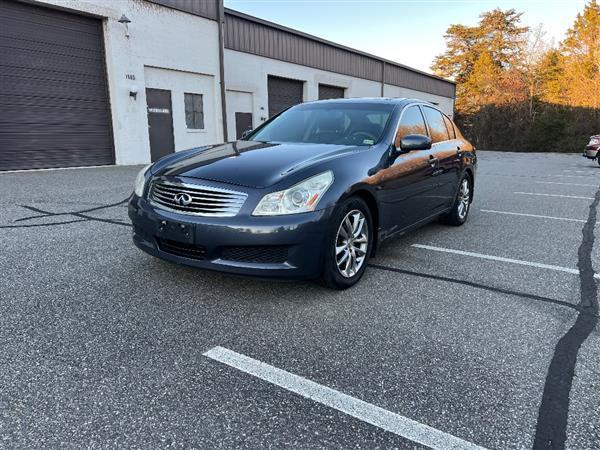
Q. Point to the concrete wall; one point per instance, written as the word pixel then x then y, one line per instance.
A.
pixel 247 73
pixel 185 46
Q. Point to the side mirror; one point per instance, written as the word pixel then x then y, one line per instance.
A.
pixel 412 142
pixel 246 133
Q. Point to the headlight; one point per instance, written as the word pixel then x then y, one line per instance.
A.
pixel 302 197
pixel 140 181
pixel 594 141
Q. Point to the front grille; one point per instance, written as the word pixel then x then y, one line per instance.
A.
pixel 181 249
pixel 200 200
pixel 256 254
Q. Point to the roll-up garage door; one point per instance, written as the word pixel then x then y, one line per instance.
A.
pixel 327 91
pixel 55 110
pixel 283 93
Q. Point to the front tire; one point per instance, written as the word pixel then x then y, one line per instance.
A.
pixel 460 209
pixel 349 244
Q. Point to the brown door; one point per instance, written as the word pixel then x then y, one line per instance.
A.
pixel 243 122
pixel 283 93
pixel 327 91
pixel 160 123
pixel 53 93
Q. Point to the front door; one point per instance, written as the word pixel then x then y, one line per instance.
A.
pixel 160 123
pixel 243 122
pixel 408 188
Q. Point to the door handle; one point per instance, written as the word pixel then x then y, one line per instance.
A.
pixel 432 160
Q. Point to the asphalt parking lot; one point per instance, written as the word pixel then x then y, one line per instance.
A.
pixel 485 335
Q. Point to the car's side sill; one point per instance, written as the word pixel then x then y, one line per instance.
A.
pixel 383 236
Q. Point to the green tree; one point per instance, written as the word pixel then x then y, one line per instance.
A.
pixel 498 34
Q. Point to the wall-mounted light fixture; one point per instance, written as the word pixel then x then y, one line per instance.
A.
pixel 133 91
pixel 125 21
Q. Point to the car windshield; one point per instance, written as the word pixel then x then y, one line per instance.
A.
pixel 328 123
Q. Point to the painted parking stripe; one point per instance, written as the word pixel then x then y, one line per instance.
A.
pixel 567 184
pixel 374 415
pixel 554 195
pixel 501 259
pixel 532 215
pixel 573 176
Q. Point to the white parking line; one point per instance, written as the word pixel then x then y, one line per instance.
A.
pixel 573 176
pixel 501 259
pixel 567 184
pixel 379 417
pixel 531 215
pixel 553 195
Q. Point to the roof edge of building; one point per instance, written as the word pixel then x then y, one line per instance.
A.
pixel 268 23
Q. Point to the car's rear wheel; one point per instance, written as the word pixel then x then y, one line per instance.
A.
pixel 460 209
pixel 349 244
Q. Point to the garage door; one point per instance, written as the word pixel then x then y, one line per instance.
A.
pixel 283 93
pixel 327 91
pixel 55 110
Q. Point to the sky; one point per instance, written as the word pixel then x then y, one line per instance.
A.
pixel 410 32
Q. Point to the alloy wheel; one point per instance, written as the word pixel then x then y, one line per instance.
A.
pixel 464 198
pixel 352 243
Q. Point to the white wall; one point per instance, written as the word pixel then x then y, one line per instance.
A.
pixel 180 83
pixel 163 38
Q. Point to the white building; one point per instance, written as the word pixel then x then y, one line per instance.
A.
pixel 93 82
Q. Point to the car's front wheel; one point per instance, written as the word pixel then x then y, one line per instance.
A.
pixel 349 244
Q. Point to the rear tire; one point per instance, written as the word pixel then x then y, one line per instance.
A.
pixel 348 245
pixel 460 209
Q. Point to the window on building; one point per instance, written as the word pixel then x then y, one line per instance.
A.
pixel 194 111
pixel 412 122
pixel 437 127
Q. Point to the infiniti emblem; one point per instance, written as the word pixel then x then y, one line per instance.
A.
pixel 183 199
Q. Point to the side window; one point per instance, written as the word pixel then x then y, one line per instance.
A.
pixel 194 111
pixel 450 127
pixel 437 127
pixel 412 122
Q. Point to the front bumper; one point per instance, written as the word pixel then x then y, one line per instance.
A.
pixel 287 247
pixel 591 151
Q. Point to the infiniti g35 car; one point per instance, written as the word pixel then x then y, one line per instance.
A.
pixel 311 193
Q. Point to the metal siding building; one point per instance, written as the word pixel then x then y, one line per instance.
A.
pixel 249 34
pixel 78 86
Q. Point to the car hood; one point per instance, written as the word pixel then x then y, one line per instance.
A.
pixel 250 163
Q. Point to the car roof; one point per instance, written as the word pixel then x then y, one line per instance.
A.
pixel 373 100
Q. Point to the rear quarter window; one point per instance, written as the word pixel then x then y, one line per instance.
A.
pixel 450 127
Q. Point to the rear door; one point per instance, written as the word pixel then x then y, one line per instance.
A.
pixel 444 149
